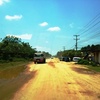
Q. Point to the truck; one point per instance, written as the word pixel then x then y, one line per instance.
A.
pixel 39 58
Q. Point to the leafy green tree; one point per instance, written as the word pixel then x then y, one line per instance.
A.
pixel 69 53
pixel 11 47
pixel 47 54
pixel 91 48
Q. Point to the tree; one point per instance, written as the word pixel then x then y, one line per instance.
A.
pixel 47 54
pixel 91 48
pixel 11 47
pixel 69 53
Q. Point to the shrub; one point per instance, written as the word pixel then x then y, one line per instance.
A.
pixel 87 62
pixel 83 61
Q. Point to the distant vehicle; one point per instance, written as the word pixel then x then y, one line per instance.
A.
pixel 76 59
pixel 39 58
pixel 67 59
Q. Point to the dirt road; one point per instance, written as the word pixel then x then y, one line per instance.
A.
pixel 57 80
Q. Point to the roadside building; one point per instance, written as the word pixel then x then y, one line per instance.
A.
pixel 97 56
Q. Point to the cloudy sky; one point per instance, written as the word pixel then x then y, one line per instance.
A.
pixel 48 25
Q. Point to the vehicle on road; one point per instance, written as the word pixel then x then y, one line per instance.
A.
pixel 39 58
pixel 76 59
pixel 66 59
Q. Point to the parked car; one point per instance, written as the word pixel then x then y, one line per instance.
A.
pixel 76 59
pixel 67 59
pixel 39 58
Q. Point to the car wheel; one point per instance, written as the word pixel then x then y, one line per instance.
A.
pixel 44 60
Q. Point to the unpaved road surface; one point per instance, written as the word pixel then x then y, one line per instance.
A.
pixel 56 80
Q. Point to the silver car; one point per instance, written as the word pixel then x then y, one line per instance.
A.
pixel 76 59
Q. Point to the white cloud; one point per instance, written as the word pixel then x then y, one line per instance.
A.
pixel 54 29
pixel 43 24
pixel 71 25
pixel 3 1
pixel 22 36
pixel 15 17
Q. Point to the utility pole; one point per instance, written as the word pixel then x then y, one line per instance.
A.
pixel 64 48
pixel 76 41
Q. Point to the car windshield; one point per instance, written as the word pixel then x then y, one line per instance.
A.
pixel 38 55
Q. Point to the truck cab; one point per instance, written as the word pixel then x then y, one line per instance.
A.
pixel 39 58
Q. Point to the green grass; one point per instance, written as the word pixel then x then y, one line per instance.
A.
pixel 94 68
pixel 12 69
pixel 90 65
pixel 10 78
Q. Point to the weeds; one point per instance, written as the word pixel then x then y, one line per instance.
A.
pixel 11 69
pixel 90 64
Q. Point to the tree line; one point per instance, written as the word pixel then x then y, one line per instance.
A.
pixel 69 53
pixel 83 52
pixel 91 48
pixel 12 47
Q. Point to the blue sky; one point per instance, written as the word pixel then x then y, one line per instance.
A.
pixel 47 25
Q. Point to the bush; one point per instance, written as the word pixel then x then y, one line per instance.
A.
pixel 83 61
pixel 87 62
pixel 93 63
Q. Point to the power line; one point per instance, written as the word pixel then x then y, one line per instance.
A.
pixel 72 47
pixel 91 37
pixel 89 24
pixel 91 27
pixel 92 30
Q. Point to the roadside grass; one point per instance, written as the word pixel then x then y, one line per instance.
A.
pixel 12 69
pixel 12 78
pixel 90 65
pixel 94 68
